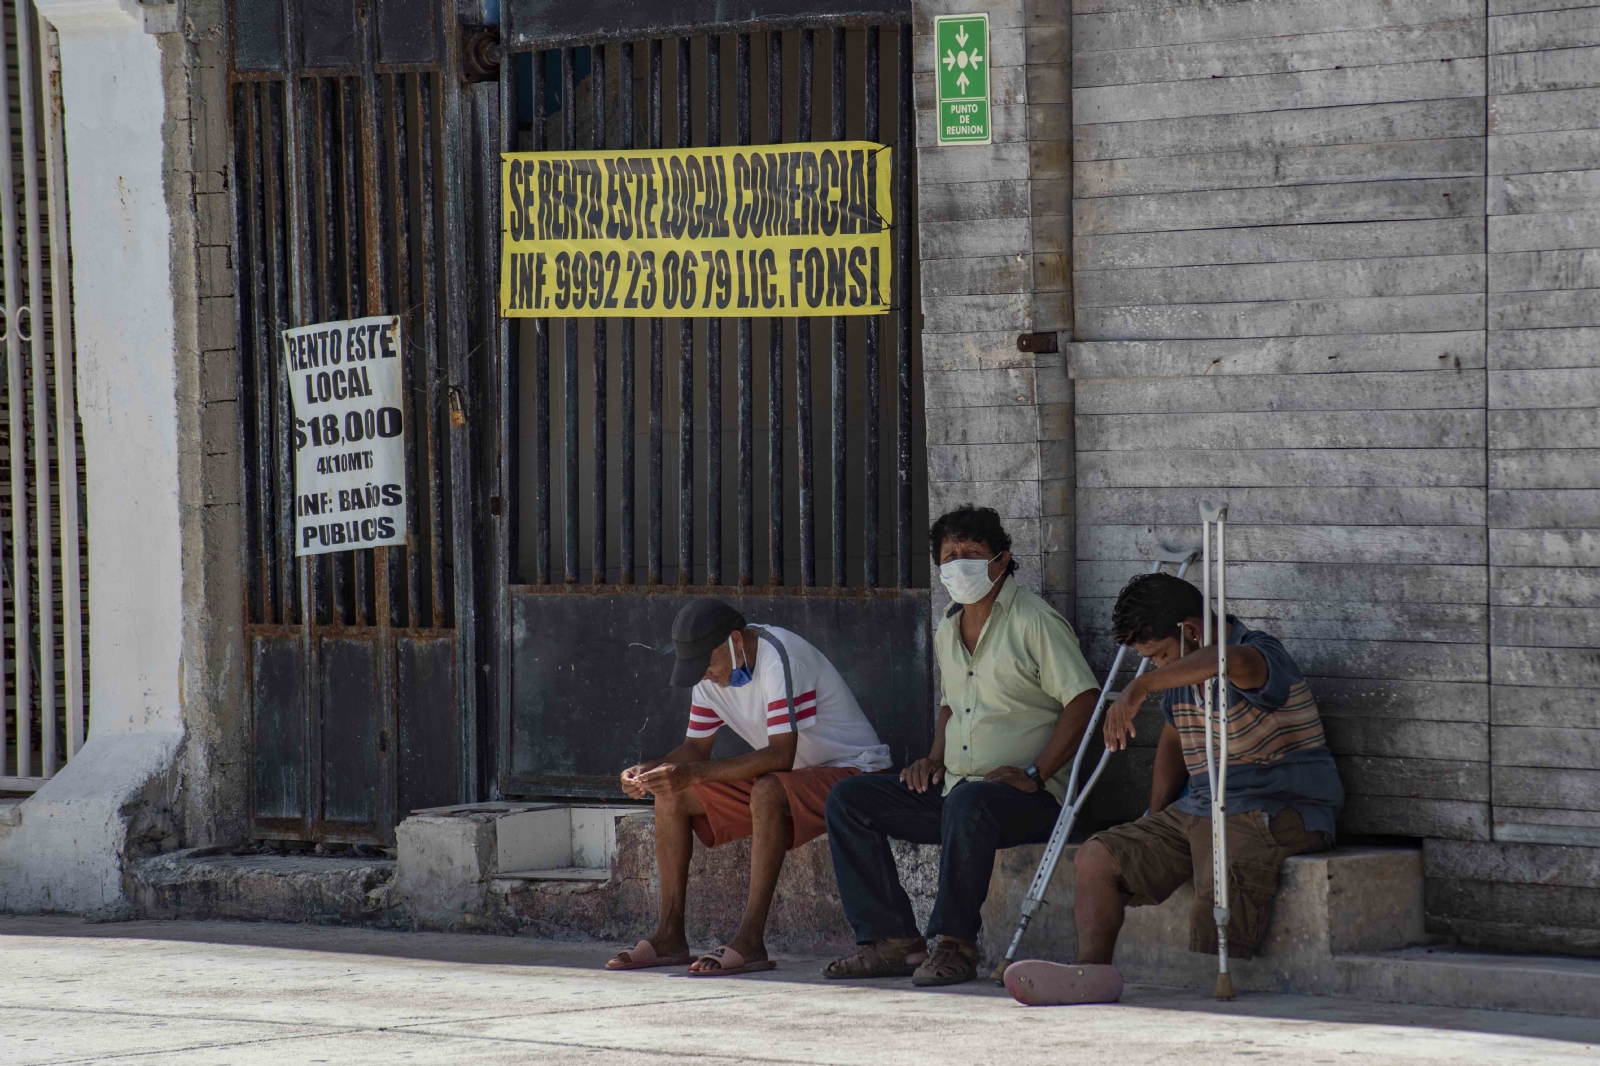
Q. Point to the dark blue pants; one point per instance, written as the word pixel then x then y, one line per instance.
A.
pixel 972 823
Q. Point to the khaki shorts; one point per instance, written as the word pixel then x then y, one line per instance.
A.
pixel 1158 853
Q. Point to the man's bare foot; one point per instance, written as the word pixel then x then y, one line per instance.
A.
pixel 669 943
pixel 658 950
pixel 750 949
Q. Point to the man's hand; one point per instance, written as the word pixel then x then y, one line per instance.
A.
pixel 1010 775
pixel 923 773
pixel 1119 717
pixel 668 777
pixel 630 781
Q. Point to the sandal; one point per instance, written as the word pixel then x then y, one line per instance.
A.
pixel 730 962
pixel 879 958
pixel 643 955
pixel 1050 984
pixel 952 963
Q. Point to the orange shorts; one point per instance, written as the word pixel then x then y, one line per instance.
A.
pixel 727 805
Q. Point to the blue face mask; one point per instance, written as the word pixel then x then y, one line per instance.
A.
pixel 740 676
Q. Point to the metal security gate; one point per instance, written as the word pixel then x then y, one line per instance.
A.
pixel 638 458
pixel 350 200
pixel 41 468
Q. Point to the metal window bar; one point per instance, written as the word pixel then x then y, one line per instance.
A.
pixel 654 536
pixel 869 523
pixel 685 361
pixel 597 74
pixel 873 369
pixel 45 723
pixel 713 347
pixel 775 406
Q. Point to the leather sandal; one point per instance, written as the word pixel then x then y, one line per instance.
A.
pixel 879 958
pixel 952 963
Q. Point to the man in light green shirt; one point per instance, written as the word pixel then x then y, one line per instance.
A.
pixel 1017 697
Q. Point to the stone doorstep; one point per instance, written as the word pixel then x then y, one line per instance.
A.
pixel 207 883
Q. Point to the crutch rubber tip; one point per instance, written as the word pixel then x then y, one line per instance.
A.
pixel 999 975
pixel 1224 986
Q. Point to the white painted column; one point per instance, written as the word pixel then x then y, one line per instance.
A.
pixel 65 849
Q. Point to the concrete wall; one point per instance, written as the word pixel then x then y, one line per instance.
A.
pixel 216 756
pixel 66 851
pixel 147 191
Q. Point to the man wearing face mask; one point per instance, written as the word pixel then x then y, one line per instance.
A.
pixel 1017 697
pixel 785 699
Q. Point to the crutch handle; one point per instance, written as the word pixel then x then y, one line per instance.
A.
pixel 1213 512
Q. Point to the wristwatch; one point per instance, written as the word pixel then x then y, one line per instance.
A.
pixel 1033 772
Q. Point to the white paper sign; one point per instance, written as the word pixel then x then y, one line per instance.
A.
pixel 349 434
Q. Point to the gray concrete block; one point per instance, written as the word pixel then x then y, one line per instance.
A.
pixel 216 271
pixel 444 865
pixel 1353 899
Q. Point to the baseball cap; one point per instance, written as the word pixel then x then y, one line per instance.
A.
pixel 701 626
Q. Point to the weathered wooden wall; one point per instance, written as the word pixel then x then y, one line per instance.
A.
pixel 1543 492
pixel 1280 273
pixel 993 225
pixel 1336 263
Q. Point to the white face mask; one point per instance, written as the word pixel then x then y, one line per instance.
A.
pixel 967 580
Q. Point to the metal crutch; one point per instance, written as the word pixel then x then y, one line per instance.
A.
pixel 1216 717
pixel 1074 798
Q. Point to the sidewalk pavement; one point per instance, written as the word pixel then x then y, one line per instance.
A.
pixel 235 994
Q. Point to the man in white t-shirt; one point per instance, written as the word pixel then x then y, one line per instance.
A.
pixel 785 699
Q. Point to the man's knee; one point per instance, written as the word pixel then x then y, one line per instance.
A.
pixel 674 802
pixel 767 796
pixel 968 809
pixel 850 798
pixel 1095 865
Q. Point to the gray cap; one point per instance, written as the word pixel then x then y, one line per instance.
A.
pixel 699 630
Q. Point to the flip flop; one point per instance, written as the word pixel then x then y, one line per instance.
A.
pixel 643 955
pixel 1051 984
pixel 730 962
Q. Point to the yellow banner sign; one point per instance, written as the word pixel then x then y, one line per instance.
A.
pixel 779 230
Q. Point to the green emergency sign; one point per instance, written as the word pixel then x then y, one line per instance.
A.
pixel 962 59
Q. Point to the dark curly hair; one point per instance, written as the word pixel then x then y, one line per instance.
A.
pixel 1153 606
pixel 977 525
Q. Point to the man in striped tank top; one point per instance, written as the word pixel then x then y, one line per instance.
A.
pixel 1284 792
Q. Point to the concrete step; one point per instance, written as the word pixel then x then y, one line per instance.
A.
pixel 213 884
pixel 1450 977
pixel 563 873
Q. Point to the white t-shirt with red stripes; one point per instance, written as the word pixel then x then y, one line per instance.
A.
pixel 833 731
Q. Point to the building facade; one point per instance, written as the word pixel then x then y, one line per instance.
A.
pixel 1332 264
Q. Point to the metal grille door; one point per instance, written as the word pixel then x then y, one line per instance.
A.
pixel 776 462
pixel 348 203
pixel 41 471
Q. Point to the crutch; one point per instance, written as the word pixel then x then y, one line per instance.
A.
pixel 1216 717
pixel 1074 798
